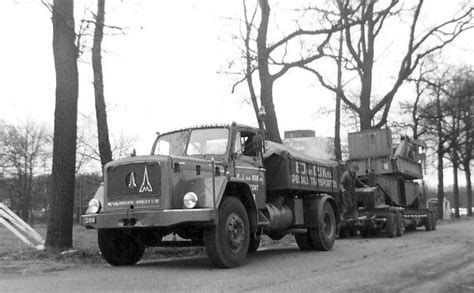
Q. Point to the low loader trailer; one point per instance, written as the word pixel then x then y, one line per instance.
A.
pixel 221 187
pixel 394 201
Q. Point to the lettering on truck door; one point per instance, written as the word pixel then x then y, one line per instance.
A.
pixel 248 163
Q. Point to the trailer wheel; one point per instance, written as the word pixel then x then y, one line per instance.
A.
pixel 433 218
pixel 254 243
pixel 428 222
pixel 346 232
pixel 364 232
pixel 227 242
pixel 119 247
pixel 391 225
pixel 324 234
pixel 400 226
pixel 304 241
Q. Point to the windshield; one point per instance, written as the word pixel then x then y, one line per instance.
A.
pixel 193 142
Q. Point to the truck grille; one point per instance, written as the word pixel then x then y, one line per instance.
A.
pixel 137 180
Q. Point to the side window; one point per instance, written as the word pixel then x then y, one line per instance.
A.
pixel 249 145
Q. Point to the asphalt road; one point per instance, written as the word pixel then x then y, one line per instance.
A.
pixel 436 261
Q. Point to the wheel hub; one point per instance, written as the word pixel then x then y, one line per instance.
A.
pixel 235 232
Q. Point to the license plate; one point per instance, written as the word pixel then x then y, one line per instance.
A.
pixel 89 220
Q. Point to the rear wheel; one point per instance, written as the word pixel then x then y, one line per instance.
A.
pixel 433 218
pixel 391 225
pixel 227 242
pixel 400 226
pixel 120 247
pixel 324 234
pixel 304 241
pixel 428 222
pixel 365 232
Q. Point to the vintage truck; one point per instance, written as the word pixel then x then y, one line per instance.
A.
pixel 220 186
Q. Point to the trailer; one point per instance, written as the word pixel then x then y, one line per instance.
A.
pixel 394 202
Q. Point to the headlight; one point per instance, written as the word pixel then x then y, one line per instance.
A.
pixel 94 206
pixel 190 200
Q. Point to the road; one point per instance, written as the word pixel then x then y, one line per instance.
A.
pixel 436 261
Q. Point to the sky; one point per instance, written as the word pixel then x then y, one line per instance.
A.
pixel 162 73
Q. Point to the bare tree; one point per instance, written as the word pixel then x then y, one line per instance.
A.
pixel 423 94
pixel 272 60
pixel 25 151
pixel 59 232
pixel 463 94
pixel 101 112
pixel 433 124
pixel 88 154
pixel 361 46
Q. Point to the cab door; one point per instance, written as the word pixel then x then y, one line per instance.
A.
pixel 248 164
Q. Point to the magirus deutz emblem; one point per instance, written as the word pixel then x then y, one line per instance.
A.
pixel 145 186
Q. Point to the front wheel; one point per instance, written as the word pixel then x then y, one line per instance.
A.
pixel 120 247
pixel 254 243
pixel 227 242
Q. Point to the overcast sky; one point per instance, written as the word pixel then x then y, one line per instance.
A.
pixel 162 73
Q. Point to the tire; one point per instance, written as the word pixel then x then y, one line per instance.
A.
pixel 324 234
pixel 344 233
pixel 227 242
pixel 391 225
pixel 120 247
pixel 428 222
pixel 400 226
pixel 254 243
pixel 365 232
pixel 433 223
pixel 304 241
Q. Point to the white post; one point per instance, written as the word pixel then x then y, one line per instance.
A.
pixel 14 223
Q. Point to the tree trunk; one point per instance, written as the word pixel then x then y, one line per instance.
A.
pixel 364 112
pixel 100 108
pixel 440 153
pixel 467 172
pixel 456 190
pixel 266 80
pixel 337 123
pixel 59 233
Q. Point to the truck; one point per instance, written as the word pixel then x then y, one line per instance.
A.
pixel 395 200
pixel 217 186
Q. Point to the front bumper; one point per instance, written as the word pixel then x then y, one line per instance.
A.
pixel 160 218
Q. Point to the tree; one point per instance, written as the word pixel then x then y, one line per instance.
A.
pixel 25 149
pixel 88 154
pixel 433 124
pixel 101 112
pixel 422 96
pixel 59 232
pixel 447 117
pixel 273 59
pixel 463 95
pixel 361 45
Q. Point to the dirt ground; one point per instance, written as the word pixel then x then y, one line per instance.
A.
pixel 420 261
